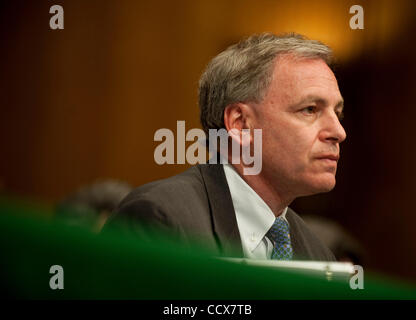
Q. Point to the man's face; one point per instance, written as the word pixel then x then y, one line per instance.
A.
pixel 301 130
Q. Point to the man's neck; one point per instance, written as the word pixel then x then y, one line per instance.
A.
pixel 276 200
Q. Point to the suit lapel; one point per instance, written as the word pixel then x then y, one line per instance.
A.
pixel 222 210
pixel 224 220
pixel 296 236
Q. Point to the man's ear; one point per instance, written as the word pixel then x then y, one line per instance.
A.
pixel 237 116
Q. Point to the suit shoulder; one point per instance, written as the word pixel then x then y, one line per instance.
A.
pixel 177 205
pixel 170 190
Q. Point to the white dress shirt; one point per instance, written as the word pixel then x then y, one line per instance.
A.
pixel 254 217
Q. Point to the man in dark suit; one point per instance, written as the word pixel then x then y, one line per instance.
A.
pixel 284 86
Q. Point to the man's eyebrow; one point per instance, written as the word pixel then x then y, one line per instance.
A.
pixel 317 99
pixel 340 104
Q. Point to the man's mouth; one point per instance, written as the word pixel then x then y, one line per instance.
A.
pixel 332 157
pixel 329 159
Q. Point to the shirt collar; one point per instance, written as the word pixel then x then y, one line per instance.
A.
pixel 254 217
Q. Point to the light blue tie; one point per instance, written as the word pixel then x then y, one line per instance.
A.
pixel 280 236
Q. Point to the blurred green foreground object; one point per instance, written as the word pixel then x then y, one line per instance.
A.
pixel 116 266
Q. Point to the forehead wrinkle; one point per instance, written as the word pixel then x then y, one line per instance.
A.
pixel 290 79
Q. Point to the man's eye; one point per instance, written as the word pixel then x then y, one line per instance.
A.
pixel 309 110
pixel 340 115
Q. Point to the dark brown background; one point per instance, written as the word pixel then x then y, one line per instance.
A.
pixel 84 102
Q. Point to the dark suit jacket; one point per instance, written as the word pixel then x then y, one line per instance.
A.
pixel 196 204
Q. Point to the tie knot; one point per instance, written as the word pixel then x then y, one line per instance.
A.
pixel 279 232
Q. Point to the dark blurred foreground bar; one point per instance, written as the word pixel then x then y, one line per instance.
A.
pixel 118 266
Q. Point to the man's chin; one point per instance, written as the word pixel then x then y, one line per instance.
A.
pixel 321 185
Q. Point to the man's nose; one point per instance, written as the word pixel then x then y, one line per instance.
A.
pixel 333 130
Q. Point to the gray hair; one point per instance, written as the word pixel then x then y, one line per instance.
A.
pixel 243 72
